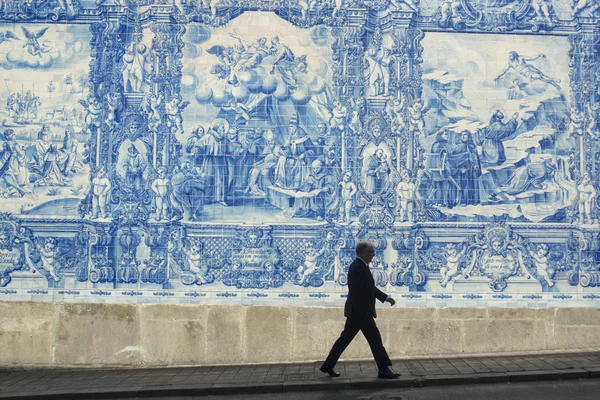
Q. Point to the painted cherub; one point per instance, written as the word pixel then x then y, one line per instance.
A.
pixel 579 5
pixel 540 259
pixel 577 118
pixel 339 116
pixel 393 109
pixel 193 259
pixel 162 188
pixel 338 5
pixel 355 124
pixel 310 262
pixel 542 10
pixel 416 115
pixel 450 10
pixel 113 102
pixel 348 190
pixel 100 192
pixel 453 257
pixel 155 114
pixel 240 110
pixel 587 196
pixel 592 128
pixel 173 110
pixel 407 196
pixel 93 117
pixel 48 254
pixel 306 6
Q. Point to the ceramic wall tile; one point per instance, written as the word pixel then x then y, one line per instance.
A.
pixel 235 152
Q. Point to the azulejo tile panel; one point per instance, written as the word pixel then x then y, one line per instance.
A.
pixel 235 151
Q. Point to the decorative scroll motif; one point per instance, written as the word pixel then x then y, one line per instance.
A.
pixel 499 16
pixel 44 257
pixel 409 268
pixel 501 256
pixel 53 10
pixel 253 262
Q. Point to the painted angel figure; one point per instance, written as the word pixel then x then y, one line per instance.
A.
pixel 339 116
pixel 587 197
pixel 540 260
pixel 355 125
pixel 311 263
pixel 306 6
pixel 8 36
pixel 453 257
pixel 517 90
pixel 519 64
pixel 416 113
pixel 348 190
pixel 251 53
pixel 450 10
pixel 114 103
pixel 226 69
pixel 100 194
pixel 577 121
pixel 580 5
pixel 152 106
pixel 338 5
pixel 542 10
pixel 393 109
pixel 413 4
pixel 93 117
pixel 173 110
pixel 194 262
pixel 68 6
pixel 49 253
pixel 594 114
pixel 240 110
pixel 32 44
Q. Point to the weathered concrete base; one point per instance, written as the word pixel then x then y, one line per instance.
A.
pixel 138 335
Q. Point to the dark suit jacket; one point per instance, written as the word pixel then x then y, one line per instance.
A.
pixel 361 291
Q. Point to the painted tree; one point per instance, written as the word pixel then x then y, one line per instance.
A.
pixel 51 88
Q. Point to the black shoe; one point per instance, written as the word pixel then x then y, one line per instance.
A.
pixel 329 371
pixel 388 374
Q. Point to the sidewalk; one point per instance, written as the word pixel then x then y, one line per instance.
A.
pixel 251 379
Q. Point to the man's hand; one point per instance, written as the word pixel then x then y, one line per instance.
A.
pixel 391 301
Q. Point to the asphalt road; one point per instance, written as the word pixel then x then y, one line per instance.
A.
pixel 587 389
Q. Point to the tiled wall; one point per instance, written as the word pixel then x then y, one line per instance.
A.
pixel 235 151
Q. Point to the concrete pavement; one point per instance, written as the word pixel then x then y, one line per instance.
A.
pixel 276 378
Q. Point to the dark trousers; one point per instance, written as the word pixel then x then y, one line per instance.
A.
pixel 367 325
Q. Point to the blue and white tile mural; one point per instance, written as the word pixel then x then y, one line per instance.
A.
pixel 235 151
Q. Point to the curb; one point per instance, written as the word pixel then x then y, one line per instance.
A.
pixel 219 389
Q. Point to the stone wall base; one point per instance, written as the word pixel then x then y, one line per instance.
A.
pixel 147 335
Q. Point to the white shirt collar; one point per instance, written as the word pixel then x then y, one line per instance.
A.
pixel 362 260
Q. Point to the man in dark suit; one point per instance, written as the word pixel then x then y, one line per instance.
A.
pixel 360 314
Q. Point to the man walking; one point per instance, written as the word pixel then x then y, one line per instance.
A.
pixel 360 314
